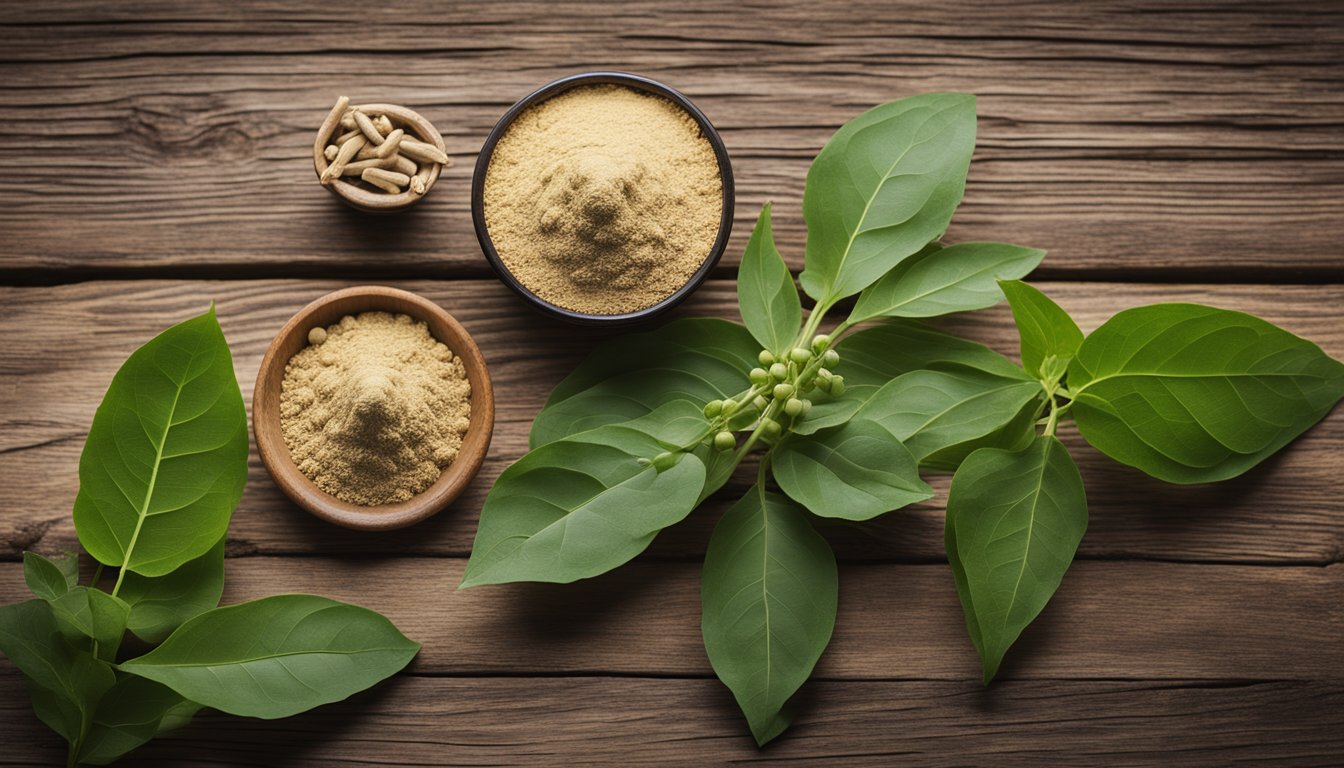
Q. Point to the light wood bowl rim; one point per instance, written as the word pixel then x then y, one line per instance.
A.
pixel 357 196
pixel 275 455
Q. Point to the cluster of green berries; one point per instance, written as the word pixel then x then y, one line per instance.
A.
pixel 782 381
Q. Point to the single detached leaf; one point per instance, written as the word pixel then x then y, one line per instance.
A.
pixel 134 711
pixel 931 411
pixel 66 682
pixel 872 357
pixel 277 656
pixel 1014 520
pixel 940 281
pixel 766 295
pixel 87 614
pixel 1046 330
pixel 882 188
pixel 590 502
pixel 768 601
pixel 696 360
pixel 856 471
pixel 160 604
pixel 50 578
pixel 166 457
pixel 1194 394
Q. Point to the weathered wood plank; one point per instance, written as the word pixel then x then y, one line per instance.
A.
pixel 418 721
pixel 1136 620
pixel 1102 138
pixel 62 345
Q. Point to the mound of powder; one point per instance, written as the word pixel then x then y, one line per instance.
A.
pixel 603 199
pixel 374 408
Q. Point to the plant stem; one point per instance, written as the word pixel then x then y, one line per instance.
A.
pixel 97 574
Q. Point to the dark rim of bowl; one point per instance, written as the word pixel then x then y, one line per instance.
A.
pixel 559 86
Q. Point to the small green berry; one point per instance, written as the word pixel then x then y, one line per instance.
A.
pixel 783 391
pixel 664 460
pixel 807 406
pixel 837 385
pixel 779 372
pixel 794 406
pixel 800 356
pixel 724 441
pixel 759 376
pixel 765 357
pixel 770 428
pixel 820 342
pixel 830 358
pixel 760 403
pixel 713 408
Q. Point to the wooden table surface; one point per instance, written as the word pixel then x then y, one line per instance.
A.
pixel 155 157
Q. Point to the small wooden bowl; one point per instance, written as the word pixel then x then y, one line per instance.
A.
pixel 368 200
pixel 266 409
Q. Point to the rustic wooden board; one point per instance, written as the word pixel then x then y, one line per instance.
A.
pixel 1112 134
pixel 63 344
pixel 1132 620
pixel 422 721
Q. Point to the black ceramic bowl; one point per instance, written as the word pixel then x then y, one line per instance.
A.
pixel 598 78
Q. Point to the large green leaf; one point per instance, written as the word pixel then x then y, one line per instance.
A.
pixel 49 578
pixel 1014 520
pixel 766 295
pixel 588 503
pixel 1050 338
pixel 277 656
pixel 66 682
pixel 160 604
pixel 856 471
pixel 931 411
pixel 134 711
pixel 882 188
pixel 872 357
pixel 768 599
pixel 166 458
pixel 1194 394
pixel 940 281
pixel 697 360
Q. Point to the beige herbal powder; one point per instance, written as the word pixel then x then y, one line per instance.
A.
pixel 603 199
pixel 374 408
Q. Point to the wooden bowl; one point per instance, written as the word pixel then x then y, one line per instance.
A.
pixel 365 199
pixel 266 409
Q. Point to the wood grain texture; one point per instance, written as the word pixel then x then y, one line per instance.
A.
pixel 425 721
pixel 62 344
pixel 1112 134
pixel 1134 620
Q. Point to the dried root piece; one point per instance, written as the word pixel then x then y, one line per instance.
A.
pixel 367 127
pixel 388 181
pixel 423 152
pixel 330 152
pixel 390 144
pixel 343 156
pixel 383 123
pixel 404 165
pixel 358 167
pixel 342 104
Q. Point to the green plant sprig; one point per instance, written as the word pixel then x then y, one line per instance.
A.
pixel 162 470
pixel 649 425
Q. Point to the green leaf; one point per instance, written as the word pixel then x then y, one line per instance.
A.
pixel 47 578
pixel 882 188
pixel 585 504
pixel 1015 434
pixel 940 281
pixel 931 411
pixel 1194 394
pixel 160 604
pixel 872 357
pixel 697 360
pixel 1014 520
pixel 166 458
pixel 134 711
pixel 856 471
pixel 1046 330
pixel 765 292
pixel 66 682
pixel 85 613
pixel 277 656
pixel 768 601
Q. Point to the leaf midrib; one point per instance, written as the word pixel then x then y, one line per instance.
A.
pixel 286 654
pixel 1157 375
pixel 149 488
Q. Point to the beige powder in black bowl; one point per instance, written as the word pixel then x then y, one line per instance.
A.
pixel 603 199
